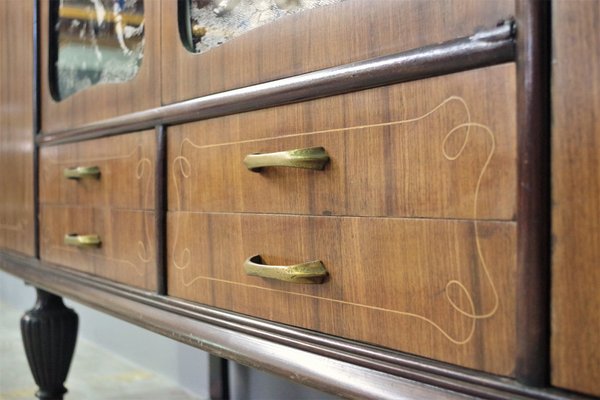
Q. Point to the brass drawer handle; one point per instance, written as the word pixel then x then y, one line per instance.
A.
pixel 309 158
pixel 82 172
pixel 308 272
pixel 73 239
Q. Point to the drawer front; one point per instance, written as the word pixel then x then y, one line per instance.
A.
pixel 126 164
pixel 442 147
pixel 127 250
pixel 438 288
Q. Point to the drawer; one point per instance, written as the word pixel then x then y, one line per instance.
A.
pixel 126 166
pixel 441 147
pixel 126 253
pixel 443 289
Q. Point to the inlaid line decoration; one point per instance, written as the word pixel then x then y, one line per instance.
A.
pixel 182 166
pixel 143 169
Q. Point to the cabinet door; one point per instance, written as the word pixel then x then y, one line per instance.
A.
pixel 98 60
pixel 16 126
pixel 576 196
pixel 334 32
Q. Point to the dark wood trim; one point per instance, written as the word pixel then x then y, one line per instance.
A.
pixel 160 212
pixel 485 48
pixel 218 378
pixel 292 352
pixel 533 196
pixel 36 127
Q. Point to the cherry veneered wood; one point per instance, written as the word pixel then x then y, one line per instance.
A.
pixel 575 351
pixel 350 31
pixel 395 151
pixel 17 127
pixel 127 172
pixel 127 253
pixel 389 283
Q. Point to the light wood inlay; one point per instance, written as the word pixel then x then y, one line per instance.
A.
pixel 126 165
pixel 442 147
pixel 325 37
pixel 576 196
pixel 16 126
pixel 127 252
pixel 438 288
pixel 105 100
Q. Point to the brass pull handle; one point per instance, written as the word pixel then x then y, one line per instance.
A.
pixel 82 172
pixel 308 272
pixel 309 158
pixel 73 239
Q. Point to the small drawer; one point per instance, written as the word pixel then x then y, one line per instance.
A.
pixel 126 249
pixel 443 289
pixel 442 148
pixel 116 171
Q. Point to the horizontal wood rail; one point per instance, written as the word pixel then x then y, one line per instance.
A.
pixel 485 48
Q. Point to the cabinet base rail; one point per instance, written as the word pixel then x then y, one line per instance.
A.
pixel 330 364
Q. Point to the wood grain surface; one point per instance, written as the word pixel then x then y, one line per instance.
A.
pixel 576 196
pixel 438 288
pixel 16 127
pixel 350 31
pixel 127 252
pixel 127 166
pixel 441 147
pixel 105 100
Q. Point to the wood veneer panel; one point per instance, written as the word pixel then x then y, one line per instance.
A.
pixel 390 280
pixel 350 31
pixel 16 126
pixel 103 101
pixel 441 147
pixel 576 196
pixel 127 166
pixel 127 252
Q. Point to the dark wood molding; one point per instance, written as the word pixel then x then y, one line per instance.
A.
pixel 533 197
pixel 485 48
pixel 218 378
pixel 309 357
pixel 36 127
pixel 160 212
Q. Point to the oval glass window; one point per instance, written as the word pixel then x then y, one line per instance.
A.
pixel 94 42
pixel 205 24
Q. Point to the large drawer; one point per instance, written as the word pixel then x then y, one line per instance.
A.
pixel 443 289
pixel 126 253
pixel 441 147
pixel 126 167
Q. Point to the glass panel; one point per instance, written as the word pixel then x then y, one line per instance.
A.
pixel 96 41
pixel 210 23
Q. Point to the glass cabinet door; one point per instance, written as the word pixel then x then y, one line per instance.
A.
pixel 95 41
pixel 99 59
pixel 210 23
pixel 211 46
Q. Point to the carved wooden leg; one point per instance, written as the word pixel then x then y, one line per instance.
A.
pixel 49 332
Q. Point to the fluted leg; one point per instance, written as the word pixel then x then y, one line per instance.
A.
pixel 49 332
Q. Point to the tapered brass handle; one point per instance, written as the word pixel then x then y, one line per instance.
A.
pixel 309 158
pixel 73 239
pixel 82 172
pixel 308 272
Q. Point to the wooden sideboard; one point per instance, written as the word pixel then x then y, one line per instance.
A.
pixel 382 199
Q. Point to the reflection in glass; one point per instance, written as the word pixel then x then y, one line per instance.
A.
pixel 210 23
pixel 96 41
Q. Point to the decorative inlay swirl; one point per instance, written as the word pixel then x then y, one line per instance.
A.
pixel 182 166
pixel 143 169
